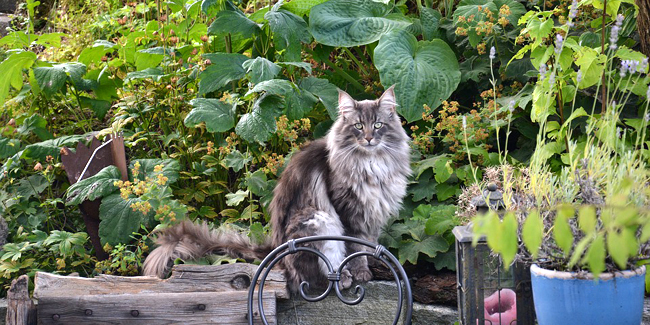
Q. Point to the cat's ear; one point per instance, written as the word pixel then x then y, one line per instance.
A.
pixel 346 103
pixel 387 100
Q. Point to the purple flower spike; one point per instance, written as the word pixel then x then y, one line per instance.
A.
pixel 493 53
pixel 579 76
pixel 573 11
pixel 634 66
pixel 613 35
pixel 625 66
pixel 558 44
pixel 551 79
pixel 542 71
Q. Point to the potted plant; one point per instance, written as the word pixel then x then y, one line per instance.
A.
pixel 583 223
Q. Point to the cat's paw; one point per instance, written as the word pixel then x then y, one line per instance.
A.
pixel 362 274
pixel 346 279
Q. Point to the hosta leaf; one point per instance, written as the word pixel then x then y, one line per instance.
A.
pixel 225 68
pixel 423 72
pixel 12 72
pixel 52 147
pixel 94 187
pixel 301 7
pixel 326 92
pixel 171 168
pixel 232 20
pixel 352 23
pixel 289 31
pixel 259 124
pixel 217 115
pixel 533 232
pixel 118 220
pixel 430 19
pixel 260 69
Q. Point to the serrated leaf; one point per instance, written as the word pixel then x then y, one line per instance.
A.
pixel 50 79
pixel 532 233
pixel 260 69
pixel 98 106
pixel 343 23
pixel 31 186
pixel 446 191
pixel 423 72
pixel 298 103
pixel 94 187
pixel 591 64
pixel 217 115
pixel 326 92
pixel 442 169
pixel 596 256
pixel 439 224
pixel 280 87
pixel 431 246
pixel 118 220
pixel 95 53
pixel 257 182
pixel 171 168
pixel 232 20
pixel 562 233
pixel 234 199
pixel 154 73
pixel 36 124
pixel 225 68
pixel 289 31
pixel 12 71
pixel 259 124
pixel 237 160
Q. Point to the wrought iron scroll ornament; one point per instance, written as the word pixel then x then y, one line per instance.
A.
pixel 334 276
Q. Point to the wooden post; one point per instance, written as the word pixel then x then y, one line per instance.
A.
pixel 643 25
pixel 119 156
pixel 20 308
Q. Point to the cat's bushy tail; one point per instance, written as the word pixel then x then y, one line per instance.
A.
pixel 189 240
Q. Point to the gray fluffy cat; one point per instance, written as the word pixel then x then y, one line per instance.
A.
pixel 347 183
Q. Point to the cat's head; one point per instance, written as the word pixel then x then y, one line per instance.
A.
pixel 369 124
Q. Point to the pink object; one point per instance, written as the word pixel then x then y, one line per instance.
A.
pixel 501 308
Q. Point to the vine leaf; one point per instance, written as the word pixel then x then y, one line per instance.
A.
pixel 217 115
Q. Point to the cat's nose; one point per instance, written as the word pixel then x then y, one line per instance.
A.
pixel 368 138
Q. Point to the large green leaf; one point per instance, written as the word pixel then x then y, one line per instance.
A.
pixel 154 73
pixel 353 23
pixel 225 68
pixel 260 69
pixel 98 106
pixel 36 124
pixel 301 7
pixel 233 21
pixel 430 19
pixel 217 115
pixel 326 92
pixel 516 10
pixel 289 31
pixel 8 147
pixel 298 103
pixel 95 53
pixel 430 245
pixel 119 220
pixel 93 187
pixel 31 186
pixel 423 72
pixel 52 147
pixel 592 64
pixel 12 72
pixel 50 79
pixel 259 124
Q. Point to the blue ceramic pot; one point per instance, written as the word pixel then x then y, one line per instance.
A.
pixel 575 298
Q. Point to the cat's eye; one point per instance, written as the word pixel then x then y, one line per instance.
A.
pixel 378 125
pixel 358 126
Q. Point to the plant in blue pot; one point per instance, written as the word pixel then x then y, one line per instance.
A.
pixel 579 213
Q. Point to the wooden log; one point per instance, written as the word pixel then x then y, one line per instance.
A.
pixel 20 308
pixel 184 278
pixel 153 308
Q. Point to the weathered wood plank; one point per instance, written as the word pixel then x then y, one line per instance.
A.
pixel 20 308
pixel 184 278
pixel 153 308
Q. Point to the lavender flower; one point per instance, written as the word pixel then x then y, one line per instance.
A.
pixel 464 122
pixel 579 76
pixel 551 79
pixel 542 71
pixel 511 106
pixel 493 53
pixel 647 93
pixel 573 10
pixel 625 66
pixel 613 35
pixel 647 117
pixel 634 66
pixel 559 40
pixel 643 65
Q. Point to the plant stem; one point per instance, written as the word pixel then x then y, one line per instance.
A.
pixel 361 67
pixel 340 72
pixel 602 50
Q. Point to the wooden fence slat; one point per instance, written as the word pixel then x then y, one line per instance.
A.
pixel 152 308
pixel 184 278
pixel 20 308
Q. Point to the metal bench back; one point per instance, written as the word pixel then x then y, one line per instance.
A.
pixel 405 298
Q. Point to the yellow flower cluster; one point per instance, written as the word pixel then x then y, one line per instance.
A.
pixel 139 187
pixel 290 131
pixel 231 143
